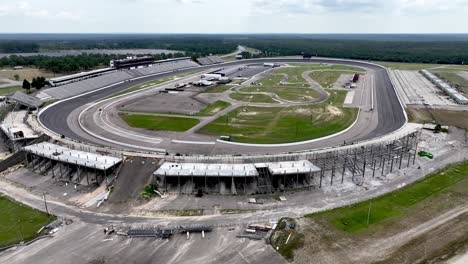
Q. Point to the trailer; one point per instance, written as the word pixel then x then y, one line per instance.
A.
pixel 211 77
pixel 356 77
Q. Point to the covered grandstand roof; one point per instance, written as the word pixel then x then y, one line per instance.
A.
pixel 210 60
pixel 208 170
pixel 64 154
pixel 79 75
pixel 26 100
pixel 235 170
pixel 289 167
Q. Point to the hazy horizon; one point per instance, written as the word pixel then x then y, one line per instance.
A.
pixel 235 17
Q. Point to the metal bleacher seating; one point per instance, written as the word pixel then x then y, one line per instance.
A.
pixel 94 83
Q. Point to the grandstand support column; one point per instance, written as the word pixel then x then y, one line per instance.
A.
pixel 373 167
pixel 373 162
pixel 178 182
pixel 391 164
pixel 284 181
pixel 332 175
pixel 245 184
pixel 409 159
pixel 52 168
pixel 105 176
pixel 364 168
pixel 354 163
pixel 383 165
pixel 297 180
pixel 321 176
pixel 36 163
pixel 26 159
pixel 344 169
pixel 43 167
pixel 401 158
pixel 96 173
pixel 87 175
pixel 60 168
pixel 206 188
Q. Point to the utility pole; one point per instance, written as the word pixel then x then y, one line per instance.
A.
pixel 21 230
pixel 368 213
pixel 45 202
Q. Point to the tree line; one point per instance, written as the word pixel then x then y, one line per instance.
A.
pixel 443 52
pixel 69 64
pixel 399 49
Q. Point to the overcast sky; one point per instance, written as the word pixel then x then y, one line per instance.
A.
pixel 234 16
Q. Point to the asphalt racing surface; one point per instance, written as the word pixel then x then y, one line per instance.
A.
pixel 388 114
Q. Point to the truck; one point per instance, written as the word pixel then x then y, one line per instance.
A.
pixel 356 77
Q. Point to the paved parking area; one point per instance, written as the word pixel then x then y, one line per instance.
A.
pixel 415 89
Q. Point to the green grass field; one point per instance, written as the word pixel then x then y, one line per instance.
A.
pixel 453 78
pixel 253 98
pixel 290 94
pixel 19 222
pixel 328 75
pixel 218 88
pixel 163 123
pixel 376 211
pixel 214 108
pixel 270 125
pixel 26 73
pixel 327 79
pixel 281 234
pixel 12 90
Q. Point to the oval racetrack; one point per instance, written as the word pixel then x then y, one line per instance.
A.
pixel 387 117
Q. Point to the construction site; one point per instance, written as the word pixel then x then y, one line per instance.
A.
pixel 172 189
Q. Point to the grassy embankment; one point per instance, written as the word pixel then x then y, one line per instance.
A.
pixel 19 222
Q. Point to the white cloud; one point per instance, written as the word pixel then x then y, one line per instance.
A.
pixel 27 10
pixel 229 16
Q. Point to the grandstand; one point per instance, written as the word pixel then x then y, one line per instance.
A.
pixel 115 76
pixel 131 62
pixel 210 60
pixel 87 85
pixel 165 66
pixel 62 80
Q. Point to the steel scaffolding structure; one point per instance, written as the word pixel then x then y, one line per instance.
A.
pixel 354 163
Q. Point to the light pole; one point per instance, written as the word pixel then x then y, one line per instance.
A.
pixel 45 202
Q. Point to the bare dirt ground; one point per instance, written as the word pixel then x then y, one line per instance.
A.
pixel 86 242
pixel 26 73
pixel 441 116
pixel 431 233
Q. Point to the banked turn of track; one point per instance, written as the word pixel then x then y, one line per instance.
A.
pixel 389 112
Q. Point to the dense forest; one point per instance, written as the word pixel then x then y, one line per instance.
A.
pixel 444 52
pixel 397 48
pixel 69 64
